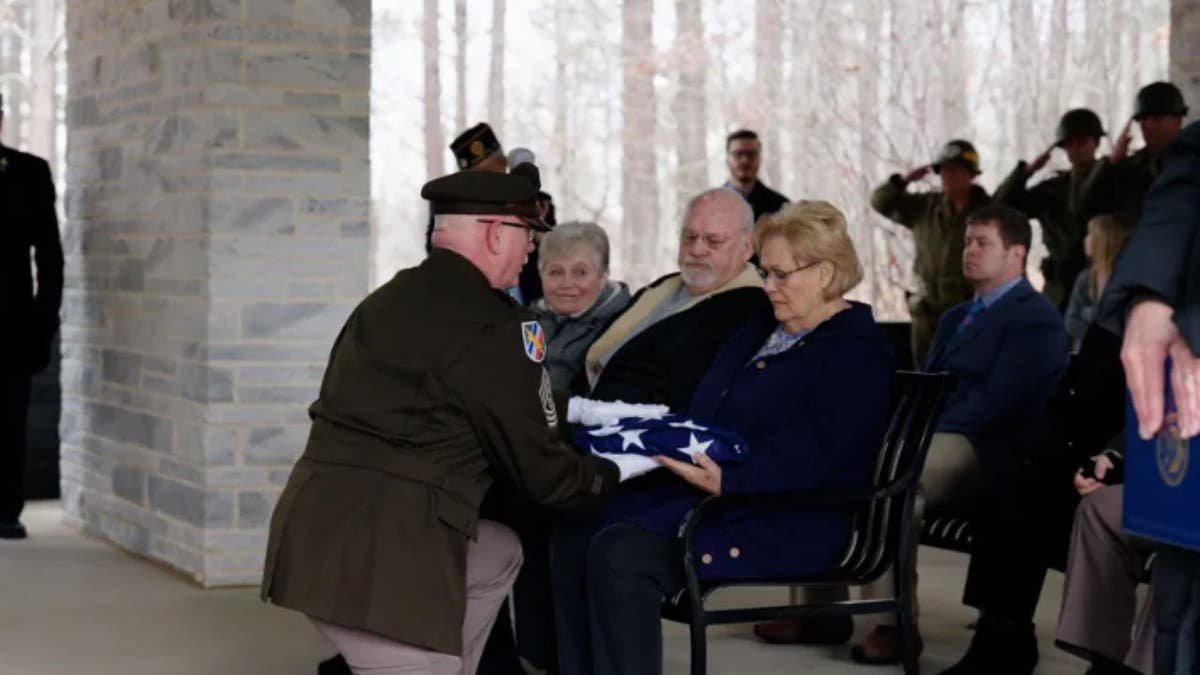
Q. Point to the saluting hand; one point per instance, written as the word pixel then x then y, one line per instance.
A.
pixel 1121 145
pixel 705 474
pixel 918 173
pixel 1037 164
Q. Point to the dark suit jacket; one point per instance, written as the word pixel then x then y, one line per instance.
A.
pixel 813 418
pixel 764 200
pixel 664 363
pixel 1006 365
pixel 27 200
pixel 1163 257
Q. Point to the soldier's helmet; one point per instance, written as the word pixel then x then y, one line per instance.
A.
pixel 1159 98
pixel 1078 123
pixel 958 152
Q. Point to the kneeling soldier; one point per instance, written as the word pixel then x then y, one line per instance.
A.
pixel 434 386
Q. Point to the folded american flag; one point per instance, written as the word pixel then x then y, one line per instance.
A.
pixel 673 435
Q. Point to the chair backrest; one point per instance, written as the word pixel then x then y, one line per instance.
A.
pixel 916 403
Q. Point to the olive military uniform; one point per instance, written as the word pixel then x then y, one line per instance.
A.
pixel 434 387
pixel 1059 205
pixel 938 229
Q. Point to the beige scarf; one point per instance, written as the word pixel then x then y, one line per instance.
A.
pixel 619 331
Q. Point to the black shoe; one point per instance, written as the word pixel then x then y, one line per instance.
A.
pixel 999 648
pixel 13 530
pixel 334 666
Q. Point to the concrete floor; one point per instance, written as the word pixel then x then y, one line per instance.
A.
pixel 70 604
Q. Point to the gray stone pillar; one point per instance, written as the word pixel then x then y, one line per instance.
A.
pixel 1185 51
pixel 217 236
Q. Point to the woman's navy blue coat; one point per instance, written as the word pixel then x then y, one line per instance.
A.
pixel 813 418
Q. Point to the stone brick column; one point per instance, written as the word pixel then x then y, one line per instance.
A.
pixel 217 236
pixel 1185 52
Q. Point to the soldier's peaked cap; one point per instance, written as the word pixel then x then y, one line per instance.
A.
pixel 488 193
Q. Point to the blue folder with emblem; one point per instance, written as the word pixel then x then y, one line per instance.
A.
pixel 1162 483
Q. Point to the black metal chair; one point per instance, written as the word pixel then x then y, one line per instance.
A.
pixel 882 523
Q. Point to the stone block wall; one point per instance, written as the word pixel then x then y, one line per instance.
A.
pixel 217 236
pixel 1185 51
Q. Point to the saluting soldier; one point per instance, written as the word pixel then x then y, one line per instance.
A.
pixel 938 220
pixel 435 387
pixel 30 222
pixel 1058 202
pixel 1122 180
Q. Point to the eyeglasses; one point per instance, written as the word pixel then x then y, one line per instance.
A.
pixel 781 277
pixel 529 231
pixel 744 154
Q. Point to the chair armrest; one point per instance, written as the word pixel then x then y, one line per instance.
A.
pixel 785 500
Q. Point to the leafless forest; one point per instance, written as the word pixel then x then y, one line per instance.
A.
pixel 626 102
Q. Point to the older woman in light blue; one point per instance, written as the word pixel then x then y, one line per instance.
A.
pixel 580 300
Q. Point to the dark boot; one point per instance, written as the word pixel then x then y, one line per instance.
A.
pixel 336 665
pixel 999 648
pixel 12 530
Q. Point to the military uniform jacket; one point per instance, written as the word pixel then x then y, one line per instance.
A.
pixel 1121 187
pixel 429 393
pixel 1058 204
pixel 938 230
pixel 30 221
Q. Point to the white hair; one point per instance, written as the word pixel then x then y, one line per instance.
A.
pixel 565 237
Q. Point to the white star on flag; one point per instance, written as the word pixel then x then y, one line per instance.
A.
pixel 632 437
pixel 606 430
pixel 695 446
pixel 688 424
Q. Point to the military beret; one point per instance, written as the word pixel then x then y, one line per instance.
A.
pixel 487 193
pixel 474 145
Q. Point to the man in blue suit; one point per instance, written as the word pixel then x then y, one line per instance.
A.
pixel 1007 349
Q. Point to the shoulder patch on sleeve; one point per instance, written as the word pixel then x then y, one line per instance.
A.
pixel 533 338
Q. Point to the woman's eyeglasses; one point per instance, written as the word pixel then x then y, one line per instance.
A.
pixel 780 277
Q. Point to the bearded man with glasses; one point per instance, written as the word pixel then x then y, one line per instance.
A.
pixel 658 350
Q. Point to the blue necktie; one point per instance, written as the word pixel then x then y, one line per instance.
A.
pixel 976 309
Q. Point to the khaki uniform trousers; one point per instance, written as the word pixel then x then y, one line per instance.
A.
pixel 493 561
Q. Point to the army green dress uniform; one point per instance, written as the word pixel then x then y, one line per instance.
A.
pixel 938 228
pixel 434 387
pixel 1059 205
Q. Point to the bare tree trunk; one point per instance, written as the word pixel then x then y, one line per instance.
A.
pixel 768 72
pixel 1117 70
pixel 561 86
pixel 1023 34
pixel 15 121
pixel 1055 72
pixel 496 79
pixel 954 72
pixel 690 100
pixel 460 65
pixel 869 58
pixel 639 184
pixel 434 140
pixel 43 78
